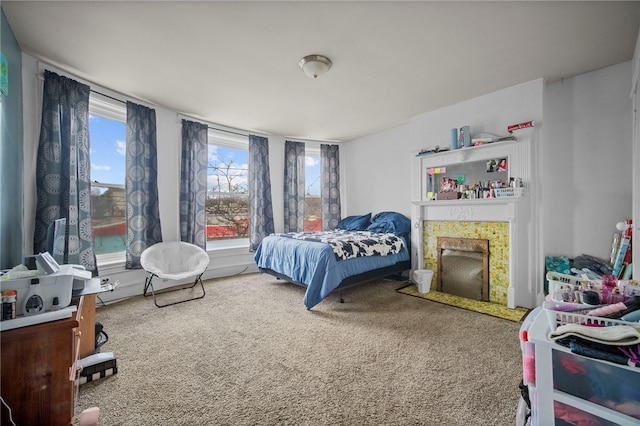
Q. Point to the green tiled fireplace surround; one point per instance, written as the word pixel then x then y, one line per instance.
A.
pixel 498 235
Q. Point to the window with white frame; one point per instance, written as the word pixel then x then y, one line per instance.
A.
pixel 107 138
pixel 227 202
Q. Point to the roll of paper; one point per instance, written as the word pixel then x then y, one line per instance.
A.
pixel 454 139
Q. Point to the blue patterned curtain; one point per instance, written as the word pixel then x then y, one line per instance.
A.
pixel 293 186
pixel 260 205
pixel 193 183
pixel 330 186
pixel 63 181
pixel 143 213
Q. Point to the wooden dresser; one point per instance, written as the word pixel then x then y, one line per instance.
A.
pixel 38 369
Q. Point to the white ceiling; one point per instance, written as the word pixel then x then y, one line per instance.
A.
pixel 236 63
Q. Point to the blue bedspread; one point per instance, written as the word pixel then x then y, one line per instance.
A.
pixel 314 265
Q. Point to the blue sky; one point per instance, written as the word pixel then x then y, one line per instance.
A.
pixel 107 138
pixel 312 175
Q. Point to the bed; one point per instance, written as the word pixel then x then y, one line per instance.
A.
pixel 360 249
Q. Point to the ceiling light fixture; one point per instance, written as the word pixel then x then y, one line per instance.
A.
pixel 315 65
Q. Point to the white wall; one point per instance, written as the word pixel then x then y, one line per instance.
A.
pixel 586 161
pixel 379 176
pixel 583 158
pixel 635 71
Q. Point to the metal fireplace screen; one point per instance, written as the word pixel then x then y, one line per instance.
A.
pixel 463 267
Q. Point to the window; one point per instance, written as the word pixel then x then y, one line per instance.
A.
pixel 312 208
pixel 227 202
pixel 107 136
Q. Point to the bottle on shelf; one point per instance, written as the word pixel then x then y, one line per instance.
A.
pixel 8 304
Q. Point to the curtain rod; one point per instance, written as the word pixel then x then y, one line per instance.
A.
pixel 320 141
pixel 42 66
pixel 212 126
pixel 227 131
pixel 208 127
pixel 107 96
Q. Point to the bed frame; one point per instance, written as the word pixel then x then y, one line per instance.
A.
pixel 352 280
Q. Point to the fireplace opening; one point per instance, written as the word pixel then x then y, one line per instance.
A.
pixel 463 267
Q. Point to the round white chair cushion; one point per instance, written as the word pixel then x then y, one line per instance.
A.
pixel 174 260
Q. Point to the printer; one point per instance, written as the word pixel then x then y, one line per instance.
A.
pixel 40 293
pixel 48 288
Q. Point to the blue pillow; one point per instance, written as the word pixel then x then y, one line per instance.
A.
pixel 354 223
pixel 393 222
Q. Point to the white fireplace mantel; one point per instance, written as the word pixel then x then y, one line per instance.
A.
pixel 521 291
pixel 491 209
pixel 518 212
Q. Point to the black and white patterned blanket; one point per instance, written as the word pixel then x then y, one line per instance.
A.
pixel 349 244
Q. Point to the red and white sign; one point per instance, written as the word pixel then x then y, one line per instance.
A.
pixel 519 126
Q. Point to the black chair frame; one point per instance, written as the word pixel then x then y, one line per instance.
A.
pixel 148 285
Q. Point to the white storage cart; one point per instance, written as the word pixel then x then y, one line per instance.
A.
pixel 565 384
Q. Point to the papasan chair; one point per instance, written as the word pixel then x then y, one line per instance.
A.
pixel 176 261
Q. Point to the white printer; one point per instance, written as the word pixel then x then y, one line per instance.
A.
pixel 47 289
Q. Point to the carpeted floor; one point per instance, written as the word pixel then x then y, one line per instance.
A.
pixel 488 308
pixel 249 353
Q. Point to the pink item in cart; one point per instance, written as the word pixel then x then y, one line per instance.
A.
pixel 608 310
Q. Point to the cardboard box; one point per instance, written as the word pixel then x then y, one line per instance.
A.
pixel 449 195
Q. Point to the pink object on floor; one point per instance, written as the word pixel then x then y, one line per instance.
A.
pixel 89 417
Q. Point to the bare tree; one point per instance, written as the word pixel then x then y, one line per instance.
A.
pixel 227 203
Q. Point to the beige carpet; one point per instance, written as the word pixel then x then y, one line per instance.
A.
pixel 249 353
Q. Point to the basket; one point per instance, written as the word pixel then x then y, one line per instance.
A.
pixel 558 318
pixel 508 192
pixel 566 288
pixel 563 285
pixel 563 278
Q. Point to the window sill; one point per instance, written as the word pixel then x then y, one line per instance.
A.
pixel 115 262
pixel 221 245
pixel 110 262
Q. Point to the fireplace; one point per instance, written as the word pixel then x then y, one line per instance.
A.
pixel 496 233
pixel 463 267
pixel 514 272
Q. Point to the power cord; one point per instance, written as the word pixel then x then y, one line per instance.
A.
pixel 103 303
pixel 8 408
